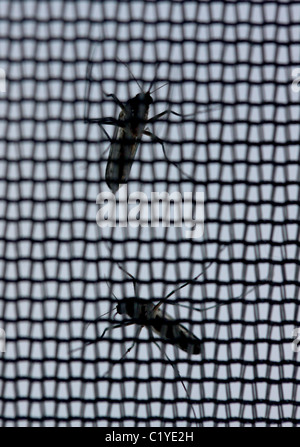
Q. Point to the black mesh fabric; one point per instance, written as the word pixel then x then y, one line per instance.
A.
pixel 234 60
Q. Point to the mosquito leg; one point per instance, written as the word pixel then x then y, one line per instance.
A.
pixel 137 334
pixel 106 134
pixel 117 101
pixel 115 326
pixel 111 121
pixel 242 296
pixel 177 374
pixel 89 80
pixel 190 281
pixel 158 140
pixel 128 350
pixel 159 115
pixel 99 318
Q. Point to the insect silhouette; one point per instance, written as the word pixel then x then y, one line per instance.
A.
pixel 130 126
pixel 145 313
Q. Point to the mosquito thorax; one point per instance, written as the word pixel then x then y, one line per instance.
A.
pixel 133 307
pixel 145 98
pixel 140 101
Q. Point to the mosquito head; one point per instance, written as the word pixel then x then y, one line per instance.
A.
pixel 139 106
pixel 143 98
pixel 122 308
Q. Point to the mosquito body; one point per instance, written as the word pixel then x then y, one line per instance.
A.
pixel 145 313
pixel 126 139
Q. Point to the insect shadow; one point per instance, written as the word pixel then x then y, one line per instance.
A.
pixel 131 124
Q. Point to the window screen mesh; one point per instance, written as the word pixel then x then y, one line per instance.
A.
pixel 59 270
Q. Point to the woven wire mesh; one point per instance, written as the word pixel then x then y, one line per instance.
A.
pixel 57 271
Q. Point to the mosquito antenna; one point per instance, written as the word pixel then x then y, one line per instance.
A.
pixel 132 75
pixel 158 88
pixel 88 79
pixel 155 77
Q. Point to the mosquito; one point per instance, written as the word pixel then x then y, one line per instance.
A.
pixel 144 313
pixel 130 126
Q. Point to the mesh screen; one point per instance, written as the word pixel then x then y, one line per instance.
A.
pixel 59 270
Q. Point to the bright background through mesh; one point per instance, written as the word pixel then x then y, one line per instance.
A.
pixel 57 272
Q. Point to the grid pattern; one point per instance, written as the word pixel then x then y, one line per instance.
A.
pixel 59 270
